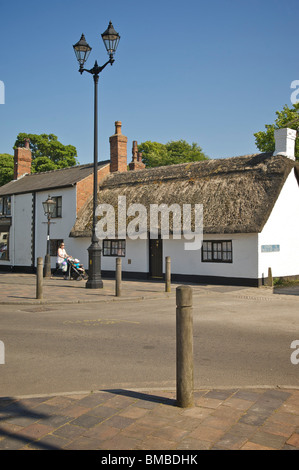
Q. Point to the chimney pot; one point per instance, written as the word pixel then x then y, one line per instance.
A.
pixel 136 163
pixel 117 127
pixel 285 142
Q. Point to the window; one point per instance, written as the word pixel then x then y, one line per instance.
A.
pixel 217 252
pixel 5 205
pixel 114 247
pixel 54 245
pixel 58 207
pixel 4 243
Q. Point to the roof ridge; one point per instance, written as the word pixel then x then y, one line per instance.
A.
pixel 65 168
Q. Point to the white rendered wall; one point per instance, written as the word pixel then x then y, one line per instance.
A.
pixel 136 259
pixel 61 226
pixel 282 228
pixel 20 231
pixel 244 265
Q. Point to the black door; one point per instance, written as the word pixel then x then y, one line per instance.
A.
pixel 155 258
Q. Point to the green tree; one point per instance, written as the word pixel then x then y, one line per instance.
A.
pixel 173 152
pixel 288 117
pixel 47 152
pixel 6 168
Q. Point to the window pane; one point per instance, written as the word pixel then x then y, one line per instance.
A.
pixel 114 247
pixel 59 206
pixel 217 251
pixel 54 245
pixel 4 253
pixel 7 205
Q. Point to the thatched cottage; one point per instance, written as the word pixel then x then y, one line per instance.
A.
pixel 250 214
pixel 250 218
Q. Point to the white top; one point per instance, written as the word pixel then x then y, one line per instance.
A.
pixel 61 255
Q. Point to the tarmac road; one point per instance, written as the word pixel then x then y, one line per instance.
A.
pixel 239 341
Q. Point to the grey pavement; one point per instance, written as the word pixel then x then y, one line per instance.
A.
pixel 255 418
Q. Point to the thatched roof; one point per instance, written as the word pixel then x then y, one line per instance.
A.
pixel 237 194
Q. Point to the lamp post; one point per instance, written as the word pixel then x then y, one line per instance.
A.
pixel 82 50
pixel 49 206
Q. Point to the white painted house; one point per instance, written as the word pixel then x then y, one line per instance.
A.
pixel 23 224
pixel 250 215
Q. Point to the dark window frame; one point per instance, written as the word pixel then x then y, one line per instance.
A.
pixel 54 245
pixel 57 214
pixel 5 206
pixel 5 229
pixel 115 248
pixel 217 251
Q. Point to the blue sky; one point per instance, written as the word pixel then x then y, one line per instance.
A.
pixel 208 72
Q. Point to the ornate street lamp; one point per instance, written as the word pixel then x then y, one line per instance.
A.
pixel 82 50
pixel 49 206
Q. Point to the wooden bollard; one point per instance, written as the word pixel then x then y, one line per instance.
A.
pixel 118 277
pixel 167 274
pixel 184 346
pixel 39 278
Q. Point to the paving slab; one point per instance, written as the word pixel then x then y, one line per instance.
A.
pixel 132 425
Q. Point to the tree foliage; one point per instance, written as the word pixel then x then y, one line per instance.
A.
pixel 6 168
pixel 47 152
pixel 173 152
pixel 288 117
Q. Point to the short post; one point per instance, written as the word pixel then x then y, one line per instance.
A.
pixel 118 277
pixel 167 274
pixel 184 346
pixel 39 278
pixel 270 278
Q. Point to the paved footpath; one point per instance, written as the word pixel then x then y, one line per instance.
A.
pixel 246 419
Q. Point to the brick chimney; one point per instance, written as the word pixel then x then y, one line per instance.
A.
pixel 136 163
pixel 118 150
pixel 285 142
pixel 22 160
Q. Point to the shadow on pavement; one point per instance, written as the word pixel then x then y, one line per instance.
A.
pixel 142 396
pixel 14 413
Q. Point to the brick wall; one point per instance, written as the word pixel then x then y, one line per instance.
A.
pixel 22 160
pixel 85 186
pixel 118 150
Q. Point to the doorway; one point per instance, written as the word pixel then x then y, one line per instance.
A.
pixel 156 258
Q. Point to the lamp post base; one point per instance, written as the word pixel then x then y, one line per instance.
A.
pixel 94 267
pixel 47 266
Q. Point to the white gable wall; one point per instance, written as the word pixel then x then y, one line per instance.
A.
pixel 61 226
pixel 20 231
pixel 282 228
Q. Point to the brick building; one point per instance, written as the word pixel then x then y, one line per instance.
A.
pixel 23 227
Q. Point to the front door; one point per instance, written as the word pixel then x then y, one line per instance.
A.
pixel 155 258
